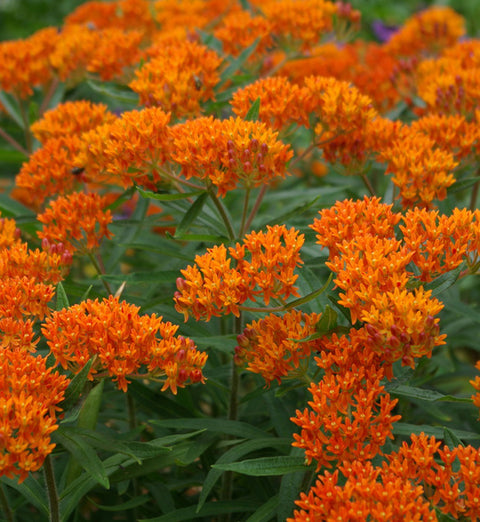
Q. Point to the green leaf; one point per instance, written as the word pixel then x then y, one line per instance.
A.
pixel 450 439
pixel 190 216
pixel 209 40
pixel 124 506
pixel 232 456
pixel 443 282
pixel 412 392
pixel 11 108
pixel 254 111
pixel 266 512
pixel 227 427
pixel 403 428
pixel 76 387
pixel 11 208
pixel 83 454
pixel 265 466
pixel 114 91
pixel 327 322
pixel 62 299
pixel 234 65
pixel 212 509
pixel 147 194
pixel 31 490
pixel 208 238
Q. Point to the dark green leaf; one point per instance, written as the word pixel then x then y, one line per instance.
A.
pixel 124 506
pixel 412 392
pixel 266 512
pixel 76 387
pixel 31 490
pixel 441 283
pixel 327 322
pixel 234 65
pixel 265 466
pixel 403 428
pixel 254 111
pixel 450 439
pixel 147 194
pixel 191 215
pixel 11 108
pixel 62 299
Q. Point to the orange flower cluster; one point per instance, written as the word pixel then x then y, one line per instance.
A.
pixel 29 397
pixel 367 493
pixel 265 264
pixel 431 30
pixel 273 346
pixel 280 102
pixel 48 172
pixel 122 341
pixel 351 415
pixel 452 473
pixel 71 119
pixel 190 14
pixel 24 64
pixel 239 29
pixel 228 153
pixel 78 220
pixel 130 150
pixel 178 78
pixel 476 384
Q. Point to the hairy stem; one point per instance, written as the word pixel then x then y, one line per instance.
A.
pixel 13 142
pixel 51 489
pixel 223 214
pixel 256 206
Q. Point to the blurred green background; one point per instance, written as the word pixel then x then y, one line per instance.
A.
pixel 20 18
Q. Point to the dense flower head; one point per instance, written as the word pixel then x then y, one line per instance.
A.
pixel 24 64
pixel 367 267
pixel 451 474
pixel 420 170
pixel 71 119
pixel 366 493
pixel 265 264
pixel 350 418
pixel 22 296
pixel 280 101
pixel 229 153
pixel 428 31
pixel 17 334
pixel 48 172
pixel 476 384
pixel 130 150
pixel 440 243
pixel 402 324
pixel 239 29
pixel 273 346
pixel 79 220
pixel 348 219
pixel 178 78
pixel 29 398
pixel 122 341
pixel 9 233
pixel 191 14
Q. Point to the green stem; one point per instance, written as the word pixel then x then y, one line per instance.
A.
pixel 368 184
pixel 256 206
pixel 26 128
pixel 474 195
pixel 51 489
pixel 5 505
pixel 223 214
pixel 100 271
pixel 132 424
pixel 244 213
pixel 51 91
pixel 13 142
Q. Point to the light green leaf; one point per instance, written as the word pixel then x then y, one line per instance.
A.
pixel 190 216
pixel 265 466
pixel 147 194
pixel 76 387
pixel 62 299
pixel 254 111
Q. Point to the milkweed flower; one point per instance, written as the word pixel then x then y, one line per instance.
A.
pixel 476 384
pixel 79 220
pixel 275 346
pixel 24 296
pixel 265 266
pixel 48 172
pixel 9 233
pixel 190 14
pixel 280 102
pixel 130 150
pixel 71 119
pixel 122 341
pixel 29 397
pixel 178 78
pixel 348 219
pixel 430 30
pixel 17 334
pixel 229 153
pixel 365 493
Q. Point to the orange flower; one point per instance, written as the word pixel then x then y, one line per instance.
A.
pixel 280 102
pixel 48 172
pixel 178 78
pixel 9 233
pixel 430 30
pixel 350 418
pixel 440 243
pixel 228 153
pixel 17 334
pixel 24 64
pixel 122 341
pixel 79 220
pixel 265 265
pixel 191 14
pixel 29 395
pixel 22 296
pixel 130 150
pixel 367 493
pixel 71 119
pixel 476 384
pixel 238 30
pixel 272 346
pixel 402 324
pixel 349 219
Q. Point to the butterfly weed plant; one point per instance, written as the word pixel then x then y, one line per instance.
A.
pixel 239 256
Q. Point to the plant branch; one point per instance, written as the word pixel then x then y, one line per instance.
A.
pixel 13 142
pixel 51 489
